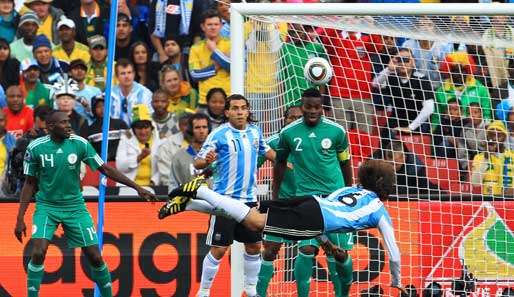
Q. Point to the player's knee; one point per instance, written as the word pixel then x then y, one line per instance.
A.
pixel 309 250
pixel 38 255
pixel 253 248
pixel 270 251
pixel 218 252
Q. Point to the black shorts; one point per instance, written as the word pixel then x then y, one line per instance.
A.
pixel 295 219
pixel 223 231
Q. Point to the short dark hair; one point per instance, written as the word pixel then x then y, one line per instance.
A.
pixel 195 117
pixel 123 63
pixel 208 14
pixel 42 111
pixel 312 92
pixel 239 97
pixel 377 176
pixel 288 110
pixel 159 92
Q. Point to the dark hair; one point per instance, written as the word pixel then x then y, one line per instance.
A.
pixel 214 91
pixel 124 63
pixel 239 97
pixel 42 112
pixel 195 117
pixel 159 92
pixel 312 92
pixel 208 14
pixel 288 110
pixel 390 147
pixel 5 44
pixel 377 176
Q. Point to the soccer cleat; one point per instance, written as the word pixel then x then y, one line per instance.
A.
pixel 173 206
pixel 188 189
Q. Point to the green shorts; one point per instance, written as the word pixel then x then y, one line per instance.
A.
pixel 342 240
pixel 277 239
pixel 78 225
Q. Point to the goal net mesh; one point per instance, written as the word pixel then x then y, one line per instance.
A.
pixel 434 95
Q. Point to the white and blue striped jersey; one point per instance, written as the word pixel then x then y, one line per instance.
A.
pixel 352 208
pixel 235 169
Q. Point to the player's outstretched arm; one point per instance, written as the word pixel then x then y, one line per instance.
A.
pixel 27 192
pixel 386 229
pixel 117 176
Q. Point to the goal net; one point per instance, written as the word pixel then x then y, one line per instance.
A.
pixel 431 91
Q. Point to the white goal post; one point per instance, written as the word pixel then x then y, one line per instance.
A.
pixel 241 11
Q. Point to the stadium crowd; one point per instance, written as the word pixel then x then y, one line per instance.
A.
pixel 172 63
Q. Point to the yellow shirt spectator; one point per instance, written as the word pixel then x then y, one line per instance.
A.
pixel 80 51
pixel 202 67
pixel 46 27
pixel 263 44
pixel 496 173
pixel 144 171
pixel 3 157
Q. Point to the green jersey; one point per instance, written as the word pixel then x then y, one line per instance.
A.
pixel 39 96
pixel 294 58
pixel 57 168
pixel 287 188
pixel 316 153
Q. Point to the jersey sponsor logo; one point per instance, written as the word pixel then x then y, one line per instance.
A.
pixel 312 135
pixel 72 158
pixel 326 143
pixel 173 9
pixel 34 229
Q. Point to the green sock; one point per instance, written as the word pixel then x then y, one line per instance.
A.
pixel 102 278
pixel 303 273
pixel 331 263
pixel 265 276
pixel 34 277
pixel 345 273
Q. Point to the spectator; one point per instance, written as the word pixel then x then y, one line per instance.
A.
pixel 507 292
pixel 350 87
pixel 411 177
pixel 446 138
pixel 51 69
pixel 69 49
pixel 85 93
pixel 182 169
pixel 223 7
pixel 9 67
pixel 209 62
pixel 21 49
pixel 295 52
pixel 497 40
pixel 124 37
pixel 93 131
pixel 433 290
pixel 406 94
pixel 48 17
pixel 20 117
pixel 474 134
pixel 507 102
pixel 493 168
pixel 146 70
pixel 216 100
pixel 136 152
pixel 460 85
pixel 34 92
pixel 127 93
pixel 175 58
pixel 428 54
pixel 382 57
pixel 66 100
pixel 90 18
pixel 175 19
pixel 166 122
pixel 7 143
pixel 181 95
pixel 9 19
pixel 97 67
pixel 169 147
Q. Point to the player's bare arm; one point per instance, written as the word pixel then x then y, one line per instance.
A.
pixel 346 169
pixel 28 190
pixel 200 163
pixel 270 155
pixel 117 176
pixel 278 175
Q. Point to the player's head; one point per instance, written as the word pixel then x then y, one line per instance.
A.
pixel 58 125
pixel 291 114
pixel 377 176
pixel 237 111
pixel 312 106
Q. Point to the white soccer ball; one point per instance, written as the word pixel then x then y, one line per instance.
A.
pixel 318 71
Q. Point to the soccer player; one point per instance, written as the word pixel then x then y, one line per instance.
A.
pixel 346 209
pixel 320 150
pixel 233 148
pixel 272 244
pixel 52 166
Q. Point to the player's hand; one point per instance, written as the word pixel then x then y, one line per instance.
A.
pixel 211 157
pixel 20 230
pixel 145 194
pixel 401 289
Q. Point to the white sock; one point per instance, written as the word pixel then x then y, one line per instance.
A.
pixel 235 209
pixel 205 207
pixel 252 266
pixel 209 269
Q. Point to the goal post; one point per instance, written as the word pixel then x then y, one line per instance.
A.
pixel 477 217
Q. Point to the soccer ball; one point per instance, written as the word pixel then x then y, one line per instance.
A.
pixel 318 71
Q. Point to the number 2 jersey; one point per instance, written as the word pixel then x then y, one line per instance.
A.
pixel 353 208
pixel 57 168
